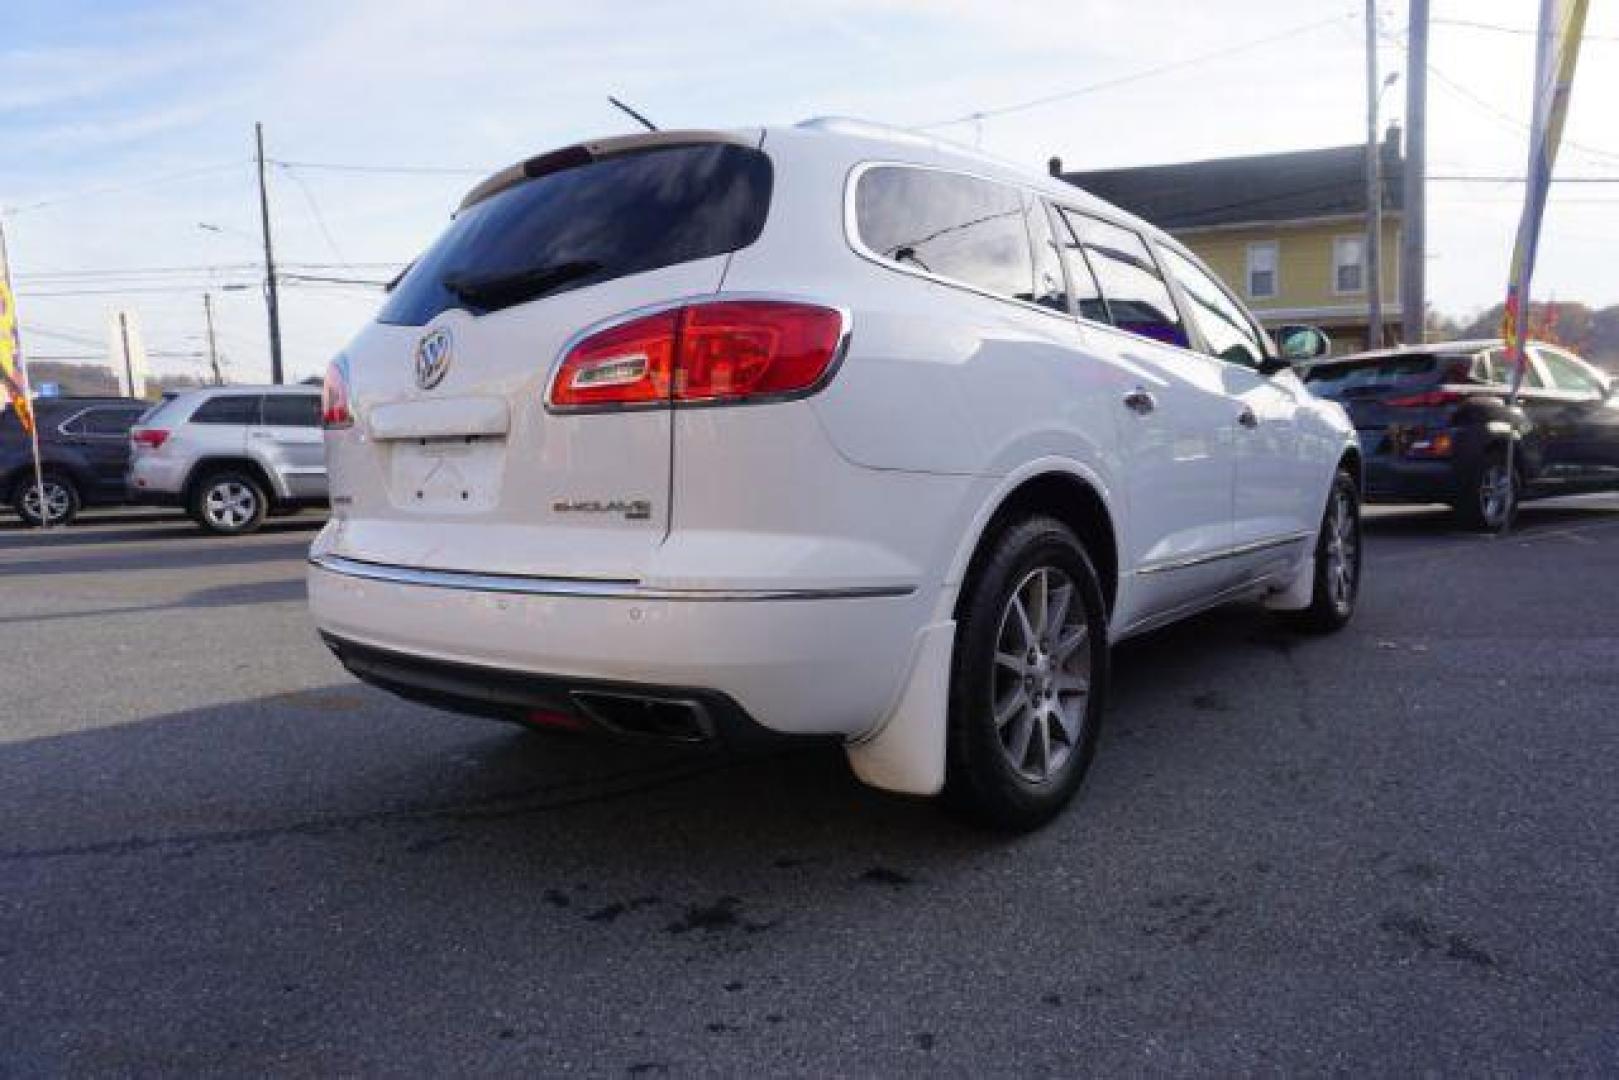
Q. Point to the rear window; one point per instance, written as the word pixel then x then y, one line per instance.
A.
pixel 1360 378
pixel 588 224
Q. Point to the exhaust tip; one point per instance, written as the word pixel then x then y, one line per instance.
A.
pixel 663 719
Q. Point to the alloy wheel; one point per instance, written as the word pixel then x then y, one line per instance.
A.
pixel 57 502
pixel 230 505
pixel 1495 493
pixel 1042 674
pixel 1343 551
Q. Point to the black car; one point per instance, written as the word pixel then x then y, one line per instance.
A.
pixel 1434 425
pixel 84 448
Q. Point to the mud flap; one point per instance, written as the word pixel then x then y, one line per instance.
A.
pixel 1300 592
pixel 906 754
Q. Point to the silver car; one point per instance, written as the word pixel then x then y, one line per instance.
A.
pixel 230 455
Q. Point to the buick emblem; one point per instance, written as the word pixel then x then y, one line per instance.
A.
pixel 433 358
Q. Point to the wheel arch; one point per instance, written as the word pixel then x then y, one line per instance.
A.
pixel 1065 491
pixel 206 467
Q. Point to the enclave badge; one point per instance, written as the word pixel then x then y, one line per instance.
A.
pixel 632 509
pixel 433 358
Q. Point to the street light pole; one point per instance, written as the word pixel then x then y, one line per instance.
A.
pixel 1413 235
pixel 1374 190
pixel 270 295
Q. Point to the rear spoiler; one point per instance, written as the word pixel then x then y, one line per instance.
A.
pixel 571 157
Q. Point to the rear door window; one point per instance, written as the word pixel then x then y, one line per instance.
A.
pixel 952 226
pixel 1134 296
pixel 1565 372
pixel 228 409
pixel 291 410
pixel 590 223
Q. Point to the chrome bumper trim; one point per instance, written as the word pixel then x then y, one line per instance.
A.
pixel 595 588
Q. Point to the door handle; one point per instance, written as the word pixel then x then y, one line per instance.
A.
pixel 1140 402
pixel 1247 419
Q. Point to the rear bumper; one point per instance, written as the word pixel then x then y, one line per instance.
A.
pixel 814 662
pixel 1397 480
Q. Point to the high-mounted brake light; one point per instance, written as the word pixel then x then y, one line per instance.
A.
pixel 716 352
pixel 151 438
pixel 335 411
pixel 1428 399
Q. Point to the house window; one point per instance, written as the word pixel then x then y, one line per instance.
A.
pixel 1348 264
pixel 1262 260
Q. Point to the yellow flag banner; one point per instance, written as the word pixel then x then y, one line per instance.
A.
pixel 13 376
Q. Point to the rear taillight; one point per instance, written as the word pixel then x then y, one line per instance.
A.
pixel 1428 399
pixel 717 352
pixel 149 437
pixel 335 411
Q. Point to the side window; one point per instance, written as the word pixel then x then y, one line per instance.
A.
pixel 1500 370
pixel 291 410
pixel 1225 328
pixel 1133 292
pixel 1565 372
pixel 77 424
pixel 1081 281
pixel 957 227
pixel 228 409
pixel 110 423
pixel 1049 288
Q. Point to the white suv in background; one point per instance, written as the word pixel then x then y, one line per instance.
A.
pixel 824 430
pixel 231 454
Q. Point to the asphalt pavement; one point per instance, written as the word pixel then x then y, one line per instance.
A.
pixel 1393 850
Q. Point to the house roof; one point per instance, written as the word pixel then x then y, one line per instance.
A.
pixel 1298 185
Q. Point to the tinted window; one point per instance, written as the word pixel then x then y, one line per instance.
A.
pixel 591 223
pixel 1134 294
pixel 291 410
pixel 1224 327
pixel 1081 281
pixel 958 227
pixel 228 409
pixel 110 422
pixel 1373 376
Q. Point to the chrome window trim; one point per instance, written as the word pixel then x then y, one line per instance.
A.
pixel 595 588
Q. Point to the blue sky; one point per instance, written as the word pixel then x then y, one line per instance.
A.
pixel 126 125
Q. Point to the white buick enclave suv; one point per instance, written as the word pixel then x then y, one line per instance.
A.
pixel 823 430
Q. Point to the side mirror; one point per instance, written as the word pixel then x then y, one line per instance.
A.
pixel 1299 343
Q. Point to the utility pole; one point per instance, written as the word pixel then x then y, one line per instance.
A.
pixel 213 351
pixel 129 365
pixel 270 296
pixel 1414 238
pixel 1374 190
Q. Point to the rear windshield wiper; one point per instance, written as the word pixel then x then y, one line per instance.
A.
pixel 492 291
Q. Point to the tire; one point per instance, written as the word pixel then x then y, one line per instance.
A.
pixel 1488 506
pixel 61 500
pixel 229 502
pixel 1031 646
pixel 1338 561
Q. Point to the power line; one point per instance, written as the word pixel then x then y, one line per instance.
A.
pixel 314 212
pixel 1521 31
pixel 335 166
pixel 167 178
pixel 1145 73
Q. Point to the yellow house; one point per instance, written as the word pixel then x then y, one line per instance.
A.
pixel 1286 232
